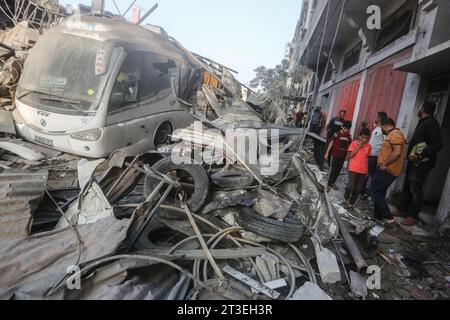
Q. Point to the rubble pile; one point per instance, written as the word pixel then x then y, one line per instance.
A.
pixel 14 45
pixel 195 219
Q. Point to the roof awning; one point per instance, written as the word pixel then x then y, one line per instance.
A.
pixel 435 61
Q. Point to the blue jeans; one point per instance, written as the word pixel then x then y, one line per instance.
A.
pixel 373 163
pixel 381 182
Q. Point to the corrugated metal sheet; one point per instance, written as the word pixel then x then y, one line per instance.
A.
pixel 383 90
pixel 33 265
pixel 345 96
pixel 20 194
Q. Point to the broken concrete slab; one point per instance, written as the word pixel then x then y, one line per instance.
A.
pixel 270 205
pixel 13 146
pixel 310 292
pixel 327 262
pixel 263 269
pixel 358 285
pixel 273 265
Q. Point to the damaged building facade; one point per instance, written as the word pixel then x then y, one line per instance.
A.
pixel 340 60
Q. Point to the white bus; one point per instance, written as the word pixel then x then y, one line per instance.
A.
pixel 97 85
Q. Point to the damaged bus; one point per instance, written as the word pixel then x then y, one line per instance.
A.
pixel 96 85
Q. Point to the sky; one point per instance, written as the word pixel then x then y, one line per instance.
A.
pixel 240 34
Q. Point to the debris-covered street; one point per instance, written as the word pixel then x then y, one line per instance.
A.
pixel 134 169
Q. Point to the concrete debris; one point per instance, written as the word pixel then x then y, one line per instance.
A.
pixel 144 210
pixel 259 287
pixel 377 230
pixel 12 146
pixel 327 263
pixel 310 291
pixel 270 205
pixel 358 285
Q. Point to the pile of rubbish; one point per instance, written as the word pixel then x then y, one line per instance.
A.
pixel 14 45
pixel 143 227
pixel 214 214
pixel 148 227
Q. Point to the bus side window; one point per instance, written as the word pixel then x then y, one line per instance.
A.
pixel 142 76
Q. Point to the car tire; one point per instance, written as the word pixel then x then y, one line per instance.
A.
pixel 233 179
pixel 198 174
pixel 290 230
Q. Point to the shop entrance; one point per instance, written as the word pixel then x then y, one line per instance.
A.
pixel 439 92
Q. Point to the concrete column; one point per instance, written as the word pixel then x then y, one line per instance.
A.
pixel 97 6
pixel 362 83
pixel 444 205
pixel 407 113
pixel 407 117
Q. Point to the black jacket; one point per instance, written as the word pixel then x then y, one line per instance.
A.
pixel 429 131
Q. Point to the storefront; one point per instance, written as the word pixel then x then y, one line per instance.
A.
pixel 383 90
pixel 437 191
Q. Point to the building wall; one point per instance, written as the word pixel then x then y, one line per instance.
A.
pixel 345 95
pixel 382 91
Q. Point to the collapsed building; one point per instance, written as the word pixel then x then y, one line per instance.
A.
pixel 340 61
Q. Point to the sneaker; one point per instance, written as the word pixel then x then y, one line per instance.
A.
pixel 409 222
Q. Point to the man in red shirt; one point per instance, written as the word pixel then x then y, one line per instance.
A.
pixel 338 149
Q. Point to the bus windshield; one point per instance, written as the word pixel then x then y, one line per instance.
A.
pixel 65 72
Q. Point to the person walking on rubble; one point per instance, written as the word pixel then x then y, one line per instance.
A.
pixel 424 147
pixel 358 156
pixel 334 126
pixel 299 116
pixel 338 150
pixel 317 121
pixel 390 167
pixel 376 142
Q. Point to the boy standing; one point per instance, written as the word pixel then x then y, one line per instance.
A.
pixel 358 156
pixel 338 150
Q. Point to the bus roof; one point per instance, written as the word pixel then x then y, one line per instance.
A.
pixel 114 30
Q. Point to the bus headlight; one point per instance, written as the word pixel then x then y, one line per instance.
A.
pixel 90 135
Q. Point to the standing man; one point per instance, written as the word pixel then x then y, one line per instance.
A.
pixel 422 155
pixel 299 116
pixel 335 125
pixel 390 167
pixel 376 142
pixel 317 121
pixel 338 149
